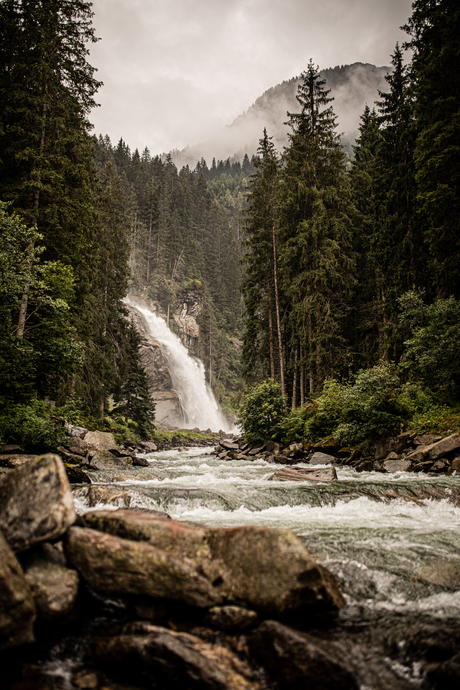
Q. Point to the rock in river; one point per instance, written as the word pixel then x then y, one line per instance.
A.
pixel 268 570
pixel 35 502
pixel 17 610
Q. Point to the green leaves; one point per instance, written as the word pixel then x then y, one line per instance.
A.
pixel 262 412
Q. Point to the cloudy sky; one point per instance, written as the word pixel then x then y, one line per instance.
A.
pixel 176 71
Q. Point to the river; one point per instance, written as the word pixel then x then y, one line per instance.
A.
pixel 392 540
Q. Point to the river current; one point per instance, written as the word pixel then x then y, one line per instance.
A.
pixel 392 540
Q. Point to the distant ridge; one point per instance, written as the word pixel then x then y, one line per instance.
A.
pixel 352 86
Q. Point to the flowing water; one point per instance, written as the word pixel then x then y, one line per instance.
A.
pixel 391 540
pixel 199 406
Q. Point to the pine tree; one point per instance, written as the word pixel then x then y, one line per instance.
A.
pixel 315 228
pixel 434 30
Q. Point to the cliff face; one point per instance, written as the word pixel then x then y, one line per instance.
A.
pixel 188 306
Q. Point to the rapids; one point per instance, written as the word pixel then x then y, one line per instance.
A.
pixel 391 540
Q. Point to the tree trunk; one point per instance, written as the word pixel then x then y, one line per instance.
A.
pixel 278 320
pixel 294 383
pixel 270 321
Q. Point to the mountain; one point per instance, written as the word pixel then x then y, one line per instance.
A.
pixel 352 86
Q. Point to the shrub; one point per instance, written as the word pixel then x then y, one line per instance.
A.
pixel 31 426
pixel 361 411
pixel 262 412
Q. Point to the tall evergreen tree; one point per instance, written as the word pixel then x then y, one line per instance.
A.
pixel 434 30
pixel 315 223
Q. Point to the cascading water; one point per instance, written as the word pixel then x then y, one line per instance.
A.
pixel 199 406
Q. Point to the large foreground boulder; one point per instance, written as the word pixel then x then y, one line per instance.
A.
pixel 35 503
pixel 17 610
pixel 171 659
pixel 268 570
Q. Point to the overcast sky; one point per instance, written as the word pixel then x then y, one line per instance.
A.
pixel 175 71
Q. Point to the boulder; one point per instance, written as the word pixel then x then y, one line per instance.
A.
pixel 35 503
pixel 273 448
pixel 296 660
pixel 76 475
pixel 436 450
pixel 149 446
pixel 302 474
pixel 12 460
pixel 268 570
pixel 17 610
pixel 78 445
pixel 397 465
pixel 400 443
pixel 171 659
pixel 228 444
pixel 231 618
pixel 256 451
pixel 54 587
pixel 100 440
pixel 111 495
pixel 105 460
pixel 114 566
pixel 322 459
pixel 140 462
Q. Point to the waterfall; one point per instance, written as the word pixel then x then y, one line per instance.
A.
pixel 199 406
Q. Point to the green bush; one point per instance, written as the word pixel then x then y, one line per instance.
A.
pixel 373 405
pixel 262 412
pixel 31 426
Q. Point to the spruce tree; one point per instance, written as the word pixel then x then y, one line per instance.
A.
pixel 315 233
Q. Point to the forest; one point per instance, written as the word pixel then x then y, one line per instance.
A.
pixel 322 274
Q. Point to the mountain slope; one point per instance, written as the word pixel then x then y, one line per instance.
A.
pixel 352 86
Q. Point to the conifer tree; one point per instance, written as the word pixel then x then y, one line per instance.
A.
pixel 314 221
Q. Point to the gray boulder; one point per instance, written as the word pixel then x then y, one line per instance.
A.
pixel 322 459
pixel 35 503
pixel 397 465
pixel 302 474
pixel 105 460
pixel 100 440
pixel 17 610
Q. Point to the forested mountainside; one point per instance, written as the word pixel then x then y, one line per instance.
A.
pixel 185 237
pixel 339 263
pixel 344 265
pixel 352 87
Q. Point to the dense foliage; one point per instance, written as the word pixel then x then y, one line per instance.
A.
pixel 353 243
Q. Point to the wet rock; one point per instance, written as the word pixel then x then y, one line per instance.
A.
pixel 228 445
pixel 17 610
pixel 269 570
pixel 322 459
pixel 440 466
pixel 105 460
pixel 115 566
pixel 100 440
pixel 171 659
pixel 35 503
pixel 76 475
pixel 296 661
pixel 436 450
pixel 257 450
pixel 397 465
pixel 231 618
pixel 364 465
pixel 400 443
pixel 107 495
pixel 273 448
pixel 54 587
pixel 140 462
pixel 77 445
pixel 302 474
pixel 456 464
pixel 148 446
pixel 12 460
pixel 444 572
pixel 282 459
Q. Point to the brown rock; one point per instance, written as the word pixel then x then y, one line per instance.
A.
pixel 400 443
pixel 104 460
pixel 426 439
pixel 269 570
pixel 322 459
pixel 111 565
pixel 17 610
pixel 78 445
pixel 13 460
pixel 172 659
pixel 436 450
pixel 398 465
pixel 35 503
pixel 296 661
pixel 231 618
pixel 54 587
pixel 10 448
pixel 100 440
pixel 456 464
pixel 302 474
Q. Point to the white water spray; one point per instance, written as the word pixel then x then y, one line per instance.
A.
pixel 188 377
